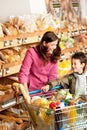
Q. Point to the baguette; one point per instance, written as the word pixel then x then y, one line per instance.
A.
pixel 5 87
pixel 9 113
pixel 3 127
pixel 17 120
pixel 25 93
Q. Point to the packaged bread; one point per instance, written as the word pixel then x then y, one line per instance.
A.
pixel 40 101
pixel 20 22
pixel 5 87
pixel 5 30
pixel 17 112
pixel 16 55
pixel 12 30
pixel 40 22
pixel 9 29
pixel 9 113
pixel 4 90
pixel 6 24
pixel 22 51
pixel 1 31
pixel 16 22
pixel 9 53
pixel 36 100
pixel 2 58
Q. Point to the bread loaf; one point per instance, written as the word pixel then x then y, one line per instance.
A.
pixel 5 30
pixel 10 55
pixel 2 57
pixel 11 118
pixel 12 30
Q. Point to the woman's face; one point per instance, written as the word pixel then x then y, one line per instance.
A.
pixel 51 46
pixel 77 66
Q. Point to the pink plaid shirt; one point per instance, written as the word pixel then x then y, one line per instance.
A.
pixel 35 72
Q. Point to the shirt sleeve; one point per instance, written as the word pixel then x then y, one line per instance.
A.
pixel 62 82
pixel 25 68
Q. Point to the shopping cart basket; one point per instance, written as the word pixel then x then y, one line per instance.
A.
pixel 66 118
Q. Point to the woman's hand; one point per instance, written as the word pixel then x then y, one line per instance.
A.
pixel 45 88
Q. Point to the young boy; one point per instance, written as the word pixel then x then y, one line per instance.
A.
pixel 76 82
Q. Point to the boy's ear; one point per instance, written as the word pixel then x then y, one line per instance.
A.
pixel 83 64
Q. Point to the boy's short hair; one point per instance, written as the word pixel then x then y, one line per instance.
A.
pixel 81 56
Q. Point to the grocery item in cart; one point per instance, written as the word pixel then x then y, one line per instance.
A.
pixel 72 116
pixel 45 113
pixel 50 115
pixel 58 119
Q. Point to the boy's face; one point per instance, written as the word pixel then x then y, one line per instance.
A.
pixel 77 66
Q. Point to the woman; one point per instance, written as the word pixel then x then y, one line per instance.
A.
pixel 40 63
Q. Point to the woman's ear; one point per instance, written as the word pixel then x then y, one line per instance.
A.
pixel 44 43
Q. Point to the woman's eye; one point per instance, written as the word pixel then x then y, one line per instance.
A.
pixel 53 45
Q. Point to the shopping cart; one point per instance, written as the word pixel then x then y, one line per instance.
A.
pixel 67 118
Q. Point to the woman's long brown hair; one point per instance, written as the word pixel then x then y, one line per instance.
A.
pixel 42 50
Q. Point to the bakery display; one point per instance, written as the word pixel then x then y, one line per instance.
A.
pixel 16 36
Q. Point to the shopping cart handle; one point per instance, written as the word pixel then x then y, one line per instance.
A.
pixel 38 91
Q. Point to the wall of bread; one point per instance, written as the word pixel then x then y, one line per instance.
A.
pixel 20 30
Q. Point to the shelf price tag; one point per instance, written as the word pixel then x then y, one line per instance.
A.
pixel 68 33
pixel 19 41
pixel 11 42
pixel 62 34
pixel 39 38
pixel 86 49
pixel 25 40
pixel 76 32
pixel 83 31
pixel 62 56
pixel 73 33
pixel 6 43
pixel 7 70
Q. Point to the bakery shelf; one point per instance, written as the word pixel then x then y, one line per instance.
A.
pixel 13 77
pixel 28 38
pixel 0 73
pixel 9 69
pixel 31 39
pixel 1 70
pixel 11 103
pixel 10 41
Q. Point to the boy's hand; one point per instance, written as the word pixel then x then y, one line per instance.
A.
pixel 45 88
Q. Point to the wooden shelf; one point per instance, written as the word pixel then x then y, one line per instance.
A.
pixel 22 39
pixel 11 103
pixel 9 69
